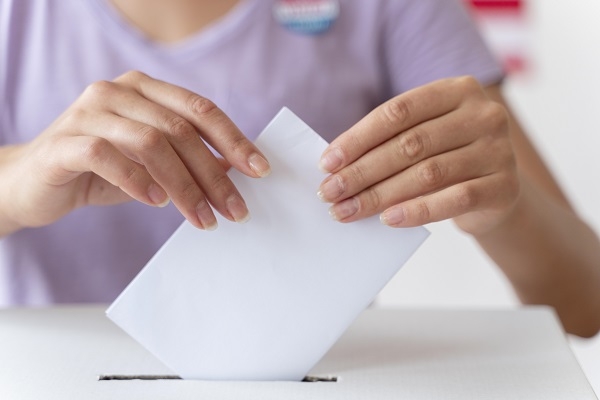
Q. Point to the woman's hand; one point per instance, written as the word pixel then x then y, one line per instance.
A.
pixel 436 152
pixel 134 137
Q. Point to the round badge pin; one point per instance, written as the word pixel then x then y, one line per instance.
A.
pixel 308 17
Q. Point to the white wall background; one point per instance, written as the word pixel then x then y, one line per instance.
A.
pixel 559 104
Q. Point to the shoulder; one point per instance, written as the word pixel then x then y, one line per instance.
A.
pixel 403 22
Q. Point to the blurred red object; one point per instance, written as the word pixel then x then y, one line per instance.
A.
pixel 504 25
pixel 497 5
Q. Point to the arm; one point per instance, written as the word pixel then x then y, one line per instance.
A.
pixel 547 252
pixel 451 149
pixel 8 155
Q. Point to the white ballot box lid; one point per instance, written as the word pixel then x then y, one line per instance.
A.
pixel 60 353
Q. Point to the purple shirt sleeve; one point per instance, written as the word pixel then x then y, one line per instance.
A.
pixel 427 40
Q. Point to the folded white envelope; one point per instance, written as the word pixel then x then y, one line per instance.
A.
pixel 263 300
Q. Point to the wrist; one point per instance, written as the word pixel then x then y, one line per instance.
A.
pixel 8 155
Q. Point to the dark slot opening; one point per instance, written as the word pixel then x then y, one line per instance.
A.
pixel 167 377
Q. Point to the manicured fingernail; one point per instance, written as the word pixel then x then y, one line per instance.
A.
pixel 343 210
pixel 158 196
pixel 331 160
pixel 393 217
pixel 237 209
pixel 259 165
pixel 332 188
pixel 206 216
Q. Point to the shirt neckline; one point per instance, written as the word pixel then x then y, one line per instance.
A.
pixel 206 39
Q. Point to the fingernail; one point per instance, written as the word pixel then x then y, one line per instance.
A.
pixel 343 210
pixel 206 216
pixel 158 196
pixel 237 209
pixel 393 217
pixel 331 160
pixel 332 188
pixel 259 165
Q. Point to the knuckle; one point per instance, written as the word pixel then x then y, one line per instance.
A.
pixel 96 150
pixel 149 138
pixel 351 145
pixel 468 83
pixel 503 151
pixel 100 89
pixel 422 213
pixel 372 201
pixel 411 146
pixel 501 118
pixel 189 191
pixel 180 129
pixel 129 176
pixel 201 105
pixel 132 76
pixel 495 115
pixel 430 174
pixel 355 174
pixel 220 183
pixel 397 111
pixel 239 144
pixel 494 133
pixel 492 127
pixel 74 117
pixel 466 198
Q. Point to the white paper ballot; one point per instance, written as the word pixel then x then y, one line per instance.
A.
pixel 263 300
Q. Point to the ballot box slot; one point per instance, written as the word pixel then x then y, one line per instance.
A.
pixel 169 377
pixel 137 377
pixel 320 379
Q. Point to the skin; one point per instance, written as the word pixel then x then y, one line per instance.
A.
pixel 452 149
pixel 172 21
pixel 133 138
pixel 447 150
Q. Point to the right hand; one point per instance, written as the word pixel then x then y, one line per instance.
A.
pixel 134 137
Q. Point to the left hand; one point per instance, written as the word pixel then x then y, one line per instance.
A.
pixel 436 152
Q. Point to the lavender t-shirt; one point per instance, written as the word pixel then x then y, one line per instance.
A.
pixel 247 62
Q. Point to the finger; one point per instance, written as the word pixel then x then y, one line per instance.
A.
pixel 191 194
pixel 395 116
pixel 426 177
pixel 93 154
pixel 214 184
pixel 423 141
pixel 213 124
pixel 467 197
pixel 198 160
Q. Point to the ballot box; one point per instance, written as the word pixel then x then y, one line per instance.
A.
pixel 77 353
